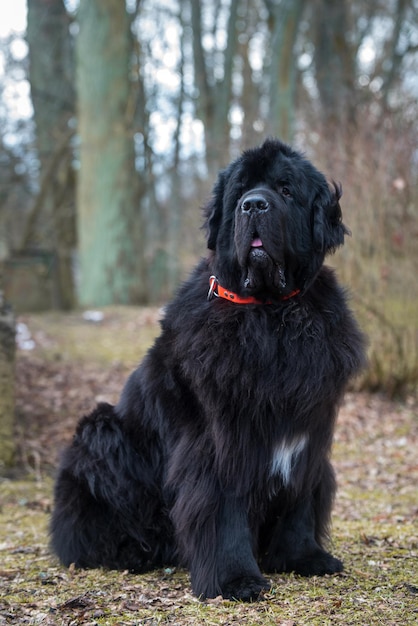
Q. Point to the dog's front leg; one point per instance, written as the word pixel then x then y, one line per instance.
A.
pixel 218 548
pixel 293 546
pixel 238 573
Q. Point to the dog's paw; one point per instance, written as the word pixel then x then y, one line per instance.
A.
pixel 246 588
pixel 317 564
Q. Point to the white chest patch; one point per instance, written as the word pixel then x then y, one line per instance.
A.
pixel 285 456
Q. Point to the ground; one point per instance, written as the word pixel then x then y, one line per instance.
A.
pixel 74 363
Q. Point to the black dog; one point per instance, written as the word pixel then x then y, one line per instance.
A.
pixel 217 454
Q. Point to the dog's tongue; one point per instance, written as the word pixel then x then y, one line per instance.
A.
pixel 257 243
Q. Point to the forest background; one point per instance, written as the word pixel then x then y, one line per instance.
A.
pixel 115 118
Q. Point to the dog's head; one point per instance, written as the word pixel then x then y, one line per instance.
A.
pixel 271 220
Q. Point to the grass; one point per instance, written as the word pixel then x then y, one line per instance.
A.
pixel 392 331
pixel 122 336
pixel 379 585
pixel 375 529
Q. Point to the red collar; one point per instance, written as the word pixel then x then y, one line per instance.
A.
pixel 215 289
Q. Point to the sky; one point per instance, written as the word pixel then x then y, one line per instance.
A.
pixel 12 16
pixel 15 93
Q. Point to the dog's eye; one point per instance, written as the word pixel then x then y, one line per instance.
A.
pixel 285 190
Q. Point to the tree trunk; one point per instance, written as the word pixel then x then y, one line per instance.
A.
pixel 7 359
pixel 394 58
pixel 52 92
pixel 214 101
pixel 109 247
pixel 335 75
pixel 284 19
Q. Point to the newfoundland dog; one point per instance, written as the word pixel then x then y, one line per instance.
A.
pixel 216 456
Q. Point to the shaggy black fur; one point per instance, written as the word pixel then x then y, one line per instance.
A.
pixel 217 454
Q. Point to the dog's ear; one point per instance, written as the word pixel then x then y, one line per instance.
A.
pixel 328 228
pixel 213 211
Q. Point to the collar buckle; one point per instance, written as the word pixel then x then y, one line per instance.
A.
pixel 213 284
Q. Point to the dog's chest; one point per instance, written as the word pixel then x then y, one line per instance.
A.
pixel 285 457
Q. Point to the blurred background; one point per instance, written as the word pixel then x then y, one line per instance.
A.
pixel 115 118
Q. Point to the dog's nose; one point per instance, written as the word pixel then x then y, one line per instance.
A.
pixel 254 203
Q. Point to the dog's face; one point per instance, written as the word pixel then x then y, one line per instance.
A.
pixel 272 219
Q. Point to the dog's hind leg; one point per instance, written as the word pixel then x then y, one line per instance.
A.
pixel 108 509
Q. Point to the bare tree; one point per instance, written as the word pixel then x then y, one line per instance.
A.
pixel 7 357
pixel 51 222
pixel 213 72
pixel 231 71
pixel 108 213
pixel 284 22
pixel 405 15
pixel 335 68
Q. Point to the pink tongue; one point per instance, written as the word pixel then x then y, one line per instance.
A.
pixel 257 243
